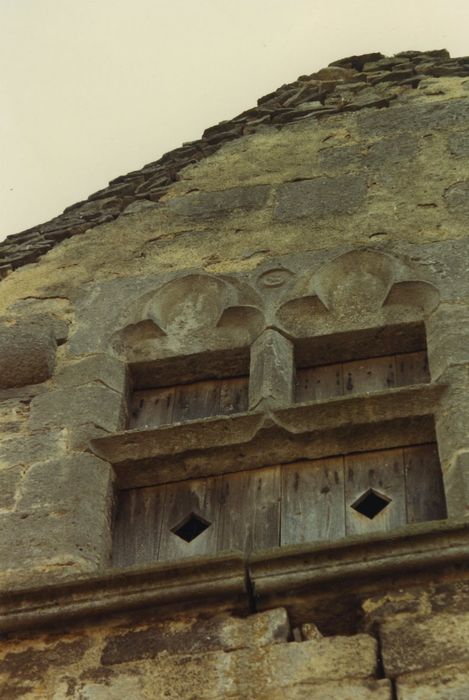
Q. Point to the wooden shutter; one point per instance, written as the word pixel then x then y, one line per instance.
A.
pixel 361 376
pixel 151 408
pixel 307 501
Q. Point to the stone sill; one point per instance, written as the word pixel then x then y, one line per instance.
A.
pixel 281 576
pixel 224 444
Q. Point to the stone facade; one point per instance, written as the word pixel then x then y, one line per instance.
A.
pixel 325 228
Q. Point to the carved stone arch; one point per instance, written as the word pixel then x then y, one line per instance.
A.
pixel 188 303
pixel 302 315
pixel 414 293
pixel 206 309
pixel 355 282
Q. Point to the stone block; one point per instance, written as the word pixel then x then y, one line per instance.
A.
pixel 102 368
pixel 25 666
pixel 9 481
pixel 446 683
pixel 452 416
pixel 28 449
pixel 63 516
pixel 320 198
pixel 344 690
pixel 27 352
pixel 193 636
pixel 457 198
pixel 447 338
pixel 413 117
pixel 424 643
pixel 76 406
pixel 272 371
pixel 458 143
pixel 258 672
pixel 222 202
pixel 128 685
pixel 456 480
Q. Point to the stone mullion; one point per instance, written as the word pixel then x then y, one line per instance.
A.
pixel 272 371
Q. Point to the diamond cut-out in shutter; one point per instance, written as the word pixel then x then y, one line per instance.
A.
pixel 371 503
pixel 191 527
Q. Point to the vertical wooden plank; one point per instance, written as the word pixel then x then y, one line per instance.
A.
pixel 250 512
pixel 375 374
pixel 234 395
pixel 151 408
pixel 319 383
pixel 201 498
pixel 137 527
pixel 412 368
pixel 424 484
pixel 312 501
pixel 382 471
pixel 197 400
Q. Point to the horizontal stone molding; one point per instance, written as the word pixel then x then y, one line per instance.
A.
pixel 213 445
pixel 201 583
pixel 227 581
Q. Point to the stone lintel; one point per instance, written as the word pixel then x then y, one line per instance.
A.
pixel 401 416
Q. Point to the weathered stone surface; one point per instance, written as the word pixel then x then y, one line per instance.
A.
pixel 417 602
pixel 457 198
pixel 192 636
pixel 458 143
pixel 27 352
pixel 220 203
pixel 448 338
pixel 346 690
pixel 9 481
pixel 248 673
pixel 28 449
pixel 104 369
pixel 319 198
pixel 452 415
pixel 272 371
pixel 63 517
pixel 77 406
pixel 445 683
pixel 129 685
pixel 436 115
pixel 456 479
pixel 426 643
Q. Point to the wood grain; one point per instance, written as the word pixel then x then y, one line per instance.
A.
pixel 250 514
pixel 424 484
pixel 313 501
pixel 138 526
pixel 201 497
pixel 382 471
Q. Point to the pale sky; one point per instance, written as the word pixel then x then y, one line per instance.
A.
pixel 90 89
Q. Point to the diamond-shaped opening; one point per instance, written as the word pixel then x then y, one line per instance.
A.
pixel 371 503
pixel 191 527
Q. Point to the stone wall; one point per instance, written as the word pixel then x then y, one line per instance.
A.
pixel 253 657
pixel 335 208
pixel 413 646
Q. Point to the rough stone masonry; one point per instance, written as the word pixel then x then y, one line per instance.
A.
pixel 319 232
